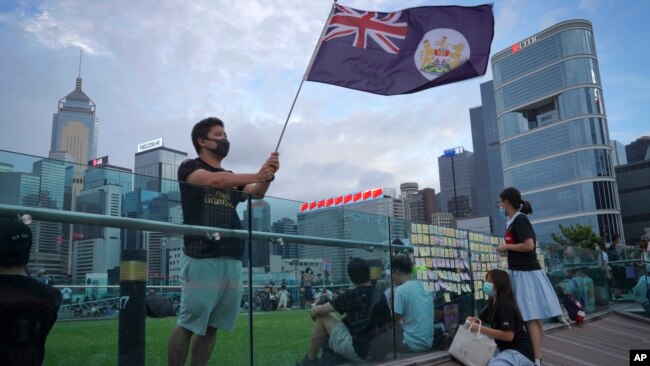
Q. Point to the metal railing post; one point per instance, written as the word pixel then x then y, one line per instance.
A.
pixel 131 331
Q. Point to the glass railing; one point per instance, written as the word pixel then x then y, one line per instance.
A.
pixel 83 239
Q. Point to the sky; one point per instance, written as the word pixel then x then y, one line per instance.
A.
pixel 155 68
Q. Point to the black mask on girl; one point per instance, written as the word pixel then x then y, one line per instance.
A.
pixel 223 146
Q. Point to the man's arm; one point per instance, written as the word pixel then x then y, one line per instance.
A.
pixel 226 180
pixel 271 165
pixel 398 319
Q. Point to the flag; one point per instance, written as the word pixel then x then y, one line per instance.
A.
pixel 403 52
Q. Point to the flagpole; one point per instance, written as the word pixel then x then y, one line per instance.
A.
pixel 311 62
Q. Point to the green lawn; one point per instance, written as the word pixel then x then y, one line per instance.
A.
pixel 280 338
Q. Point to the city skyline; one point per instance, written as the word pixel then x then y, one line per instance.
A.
pixel 159 77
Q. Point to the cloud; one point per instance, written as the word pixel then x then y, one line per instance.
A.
pixel 156 68
pixel 53 33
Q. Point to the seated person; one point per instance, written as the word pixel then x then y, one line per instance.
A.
pixel 513 342
pixel 640 291
pixel 413 308
pixel 364 310
pixel 28 308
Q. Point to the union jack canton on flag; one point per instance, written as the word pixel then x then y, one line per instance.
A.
pixel 403 52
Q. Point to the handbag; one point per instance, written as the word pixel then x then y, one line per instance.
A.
pixel 472 349
pixel 630 272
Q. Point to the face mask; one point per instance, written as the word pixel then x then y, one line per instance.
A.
pixel 488 288
pixel 502 212
pixel 222 147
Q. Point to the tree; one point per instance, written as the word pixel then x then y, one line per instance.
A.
pixel 581 236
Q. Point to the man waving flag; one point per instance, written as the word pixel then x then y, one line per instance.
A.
pixel 403 52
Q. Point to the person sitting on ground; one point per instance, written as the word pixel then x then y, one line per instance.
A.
pixel 413 311
pixel 512 339
pixel 28 308
pixel 350 336
pixel 642 290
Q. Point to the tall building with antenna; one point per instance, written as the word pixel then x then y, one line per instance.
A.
pixel 75 126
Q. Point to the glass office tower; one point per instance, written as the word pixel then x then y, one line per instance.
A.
pixel 553 130
pixel 75 126
pixel 157 170
pixel 487 158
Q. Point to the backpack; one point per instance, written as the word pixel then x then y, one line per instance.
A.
pixel 572 306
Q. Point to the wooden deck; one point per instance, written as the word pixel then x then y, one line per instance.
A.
pixel 603 340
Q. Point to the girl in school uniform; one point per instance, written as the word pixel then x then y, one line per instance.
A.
pixel 507 326
pixel 533 291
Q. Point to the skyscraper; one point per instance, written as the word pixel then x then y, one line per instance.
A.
pixel 285 248
pixel 553 129
pixel 634 193
pixel 638 150
pixel 48 250
pixel 378 220
pixel 156 168
pixel 75 126
pixel 261 221
pixel 462 191
pixel 99 250
pixel 619 155
pixel 487 157
pixel 419 204
pixel 407 190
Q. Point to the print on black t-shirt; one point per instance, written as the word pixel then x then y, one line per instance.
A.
pixel 519 230
pixel 207 206
pixel 505 319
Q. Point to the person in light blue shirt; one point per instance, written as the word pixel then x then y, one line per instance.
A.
pixel 640 291
pixel 413 308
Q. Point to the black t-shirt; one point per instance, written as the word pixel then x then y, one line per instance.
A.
pixel 505 319
pixel 207 206
pixel 28 310
pixel 355 304
pixel 519 230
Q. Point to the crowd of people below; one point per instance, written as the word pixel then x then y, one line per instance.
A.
pixel 369 312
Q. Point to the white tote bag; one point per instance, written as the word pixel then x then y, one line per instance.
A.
pixel 472 349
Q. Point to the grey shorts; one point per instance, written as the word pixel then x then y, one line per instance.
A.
pixel 341 342
pixel 211 293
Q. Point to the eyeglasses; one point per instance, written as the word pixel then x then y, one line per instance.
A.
pixel 498 203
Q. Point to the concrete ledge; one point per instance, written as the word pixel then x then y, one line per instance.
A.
pixel 442 357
